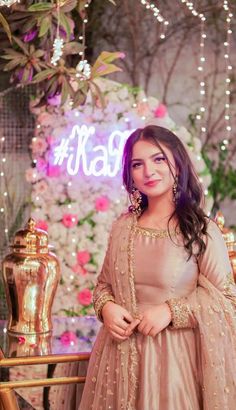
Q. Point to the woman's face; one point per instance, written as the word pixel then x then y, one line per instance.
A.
pixel 150 170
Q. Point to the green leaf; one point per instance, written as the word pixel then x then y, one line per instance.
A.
pixel 108 57
pixel 12 64
pixel 69 5
pixel 103 66
pixel 26 75
pixel 43 75
pixel 52 86
pixel 39 53
pixel 41 7
pixel 21 45
pixel 5 25
pixel 45 26
pixel 79 98
pixel 104 69
pixel 29 24
pixel 72 48
pixel 36 66
pixel 97 93
pixel 64 22
pixel 81 5
pixel 65 91
pixel 10 53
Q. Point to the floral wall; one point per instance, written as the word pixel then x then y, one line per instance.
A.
pixel 76 180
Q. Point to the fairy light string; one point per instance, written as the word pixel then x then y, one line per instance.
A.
pixel 157 14
pixel 3 192
pixel 201 63
pixel 83 68
pixel 58 43
pixel 228 70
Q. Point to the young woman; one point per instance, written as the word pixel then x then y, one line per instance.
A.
pixel 165 294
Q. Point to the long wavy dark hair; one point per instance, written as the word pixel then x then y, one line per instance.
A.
pixel 190 197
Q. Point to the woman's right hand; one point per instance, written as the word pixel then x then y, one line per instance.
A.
pixel 116 319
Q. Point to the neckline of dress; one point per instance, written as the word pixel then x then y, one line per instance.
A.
pixel 154 232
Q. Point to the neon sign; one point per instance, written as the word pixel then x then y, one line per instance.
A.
pixel 80 155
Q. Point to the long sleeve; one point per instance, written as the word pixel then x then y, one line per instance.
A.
pixel 103 289
pixel 215 266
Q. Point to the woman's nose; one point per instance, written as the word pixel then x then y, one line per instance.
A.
pixel 149 170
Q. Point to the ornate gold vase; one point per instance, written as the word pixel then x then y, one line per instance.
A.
pixel 30 274
pixel 37 344
pixel 229 238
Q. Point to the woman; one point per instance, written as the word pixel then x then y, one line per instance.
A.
pixel 165 294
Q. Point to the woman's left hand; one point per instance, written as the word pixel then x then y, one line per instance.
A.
pixel 153 320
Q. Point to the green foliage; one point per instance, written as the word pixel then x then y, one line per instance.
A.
pixel 28 50
pixel 223 174
pixel 5 25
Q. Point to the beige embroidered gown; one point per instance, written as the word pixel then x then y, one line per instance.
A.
pixel 168 378
pixel 168 373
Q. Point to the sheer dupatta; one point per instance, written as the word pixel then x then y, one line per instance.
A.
pixel 112 378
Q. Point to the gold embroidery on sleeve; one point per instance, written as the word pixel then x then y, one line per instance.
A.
pixel 100 302
pixel 180 313
pixel 230 288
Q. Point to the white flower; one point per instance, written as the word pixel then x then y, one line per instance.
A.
pixel 197 144
pixel 123 93
pixel 55 213
pixel 183 134
pixel 32 175
pixel 38 214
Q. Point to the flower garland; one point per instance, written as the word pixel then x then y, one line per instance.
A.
pixel 77 210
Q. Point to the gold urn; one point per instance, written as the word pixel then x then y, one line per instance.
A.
pixel 229 238
pixel 30 274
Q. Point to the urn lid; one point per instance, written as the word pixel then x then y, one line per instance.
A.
pixel 31 239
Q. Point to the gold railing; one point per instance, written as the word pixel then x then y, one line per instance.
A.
pixel 8 399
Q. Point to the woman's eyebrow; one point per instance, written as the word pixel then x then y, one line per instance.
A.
pixel 153 155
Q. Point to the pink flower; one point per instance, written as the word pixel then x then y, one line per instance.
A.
pixel 143 109
pixel 70 220
pixel 121 54
pixel 77 268
pixel 31 175
pixel 21 340
pixel 53 171
pixel 160 111
pixel 54 100
pixel 45 119
pixel 83 257
pixel 51 139
pixel 102 204
pixel 68 338
pixel 85 297
pixel 41 164
pixel 41 187
pixel 30 35
pixel 38 146
pixel 41 224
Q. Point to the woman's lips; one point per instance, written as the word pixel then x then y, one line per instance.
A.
pixel 152 183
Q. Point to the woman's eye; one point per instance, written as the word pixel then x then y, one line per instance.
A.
pixel 136 164
pixel 159 159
